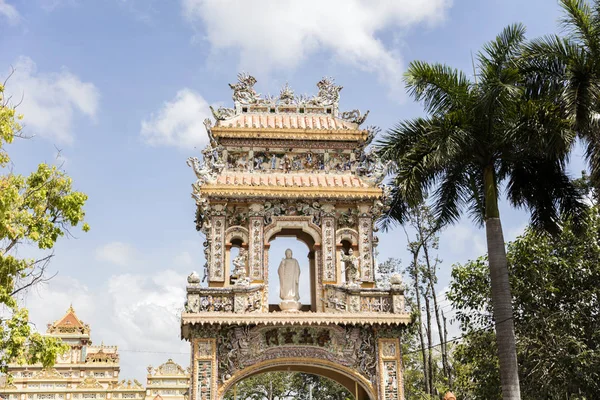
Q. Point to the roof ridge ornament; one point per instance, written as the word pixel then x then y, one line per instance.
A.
pixel 329 93
pixel 247 100
pixel 243 90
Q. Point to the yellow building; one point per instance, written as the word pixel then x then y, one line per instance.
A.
pixel 87 372
pixel 168 382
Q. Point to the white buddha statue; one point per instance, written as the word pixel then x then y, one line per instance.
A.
pixel 289 276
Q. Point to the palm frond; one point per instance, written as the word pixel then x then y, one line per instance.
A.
pixel 503 49
pixel 542 186
pixel 439 87
pixel 476 201
pixel 578 22
pixel 452 193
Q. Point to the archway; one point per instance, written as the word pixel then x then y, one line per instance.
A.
pixel 354 383
pixel 287 384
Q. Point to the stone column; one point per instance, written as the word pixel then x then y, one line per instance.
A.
pixel 216 268
pixel 256 241
pixel 204 369
pixel 365 246
pixel 328 272
pixel 390 382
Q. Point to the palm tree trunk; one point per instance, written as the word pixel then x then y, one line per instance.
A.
pixel 501 296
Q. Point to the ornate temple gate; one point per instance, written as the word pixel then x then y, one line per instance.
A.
pixel 291 166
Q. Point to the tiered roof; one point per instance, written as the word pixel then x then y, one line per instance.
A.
pixel 68 325
pixel 290 127
pixel 287 116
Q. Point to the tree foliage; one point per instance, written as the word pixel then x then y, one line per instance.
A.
pixel 284 385
pixel 478 136
pixel 556 289
pixel 566 69
pixel 35 210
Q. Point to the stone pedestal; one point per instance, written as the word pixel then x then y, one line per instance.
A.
pixel 290 305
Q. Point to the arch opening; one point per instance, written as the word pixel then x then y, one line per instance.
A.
pixel 288 384
pixel 317 371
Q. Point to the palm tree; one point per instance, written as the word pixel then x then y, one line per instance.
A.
pixel 567 69
pixel 477 137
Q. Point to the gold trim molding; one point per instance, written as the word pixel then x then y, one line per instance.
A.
pixel 304 318
pixel 290 192
pixel 358 135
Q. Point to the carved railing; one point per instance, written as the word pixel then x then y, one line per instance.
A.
pixel 244 299
pixel 343 299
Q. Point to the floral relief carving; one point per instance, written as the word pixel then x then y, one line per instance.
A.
pixel 216 268
pixel 329 274
pixel 365 248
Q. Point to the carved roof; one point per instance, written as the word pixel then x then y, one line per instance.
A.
pixel 168 368
pixel 287 121
pixel 291 185
pixel 129 384
pixel 68 324
pixel 89 382
pixel 48 373
pixel 287 112
pixel 103 355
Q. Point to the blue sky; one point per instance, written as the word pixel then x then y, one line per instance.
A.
pixel 121 87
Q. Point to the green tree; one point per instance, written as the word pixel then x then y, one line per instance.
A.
pixel 556 287
pixel 477 136
pixel 567 71
pixel 34 211
pixel 284 385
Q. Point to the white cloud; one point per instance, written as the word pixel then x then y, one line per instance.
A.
pixel 464 240
pixel 282 34
pixel 51 100
pixel 9 12
pixel 179 122
pixel 118 253
pixel 137 313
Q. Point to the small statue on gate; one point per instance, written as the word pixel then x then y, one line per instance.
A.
pixel 350 268
pixel 239 269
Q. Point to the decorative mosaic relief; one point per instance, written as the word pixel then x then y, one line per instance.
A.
pixel 240 346
pixel 390 380
pixel 329 274
pixel 277 208
pixel 376 304
pixel 256 247
pixel 365 248
pixel 217 267
pixel 204 380
pixel 204 349
pixel 285 160
pixel 389 349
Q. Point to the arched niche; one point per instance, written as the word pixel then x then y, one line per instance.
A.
pixel 235 236
pixel 308 233
pixel 346 238
pixel 360 387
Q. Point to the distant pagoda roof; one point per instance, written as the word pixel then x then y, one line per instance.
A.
pixel 286 114
pixel 69 324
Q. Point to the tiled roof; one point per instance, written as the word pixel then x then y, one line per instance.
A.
pixel 69 323
pixel 291 180
pixel 287 121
